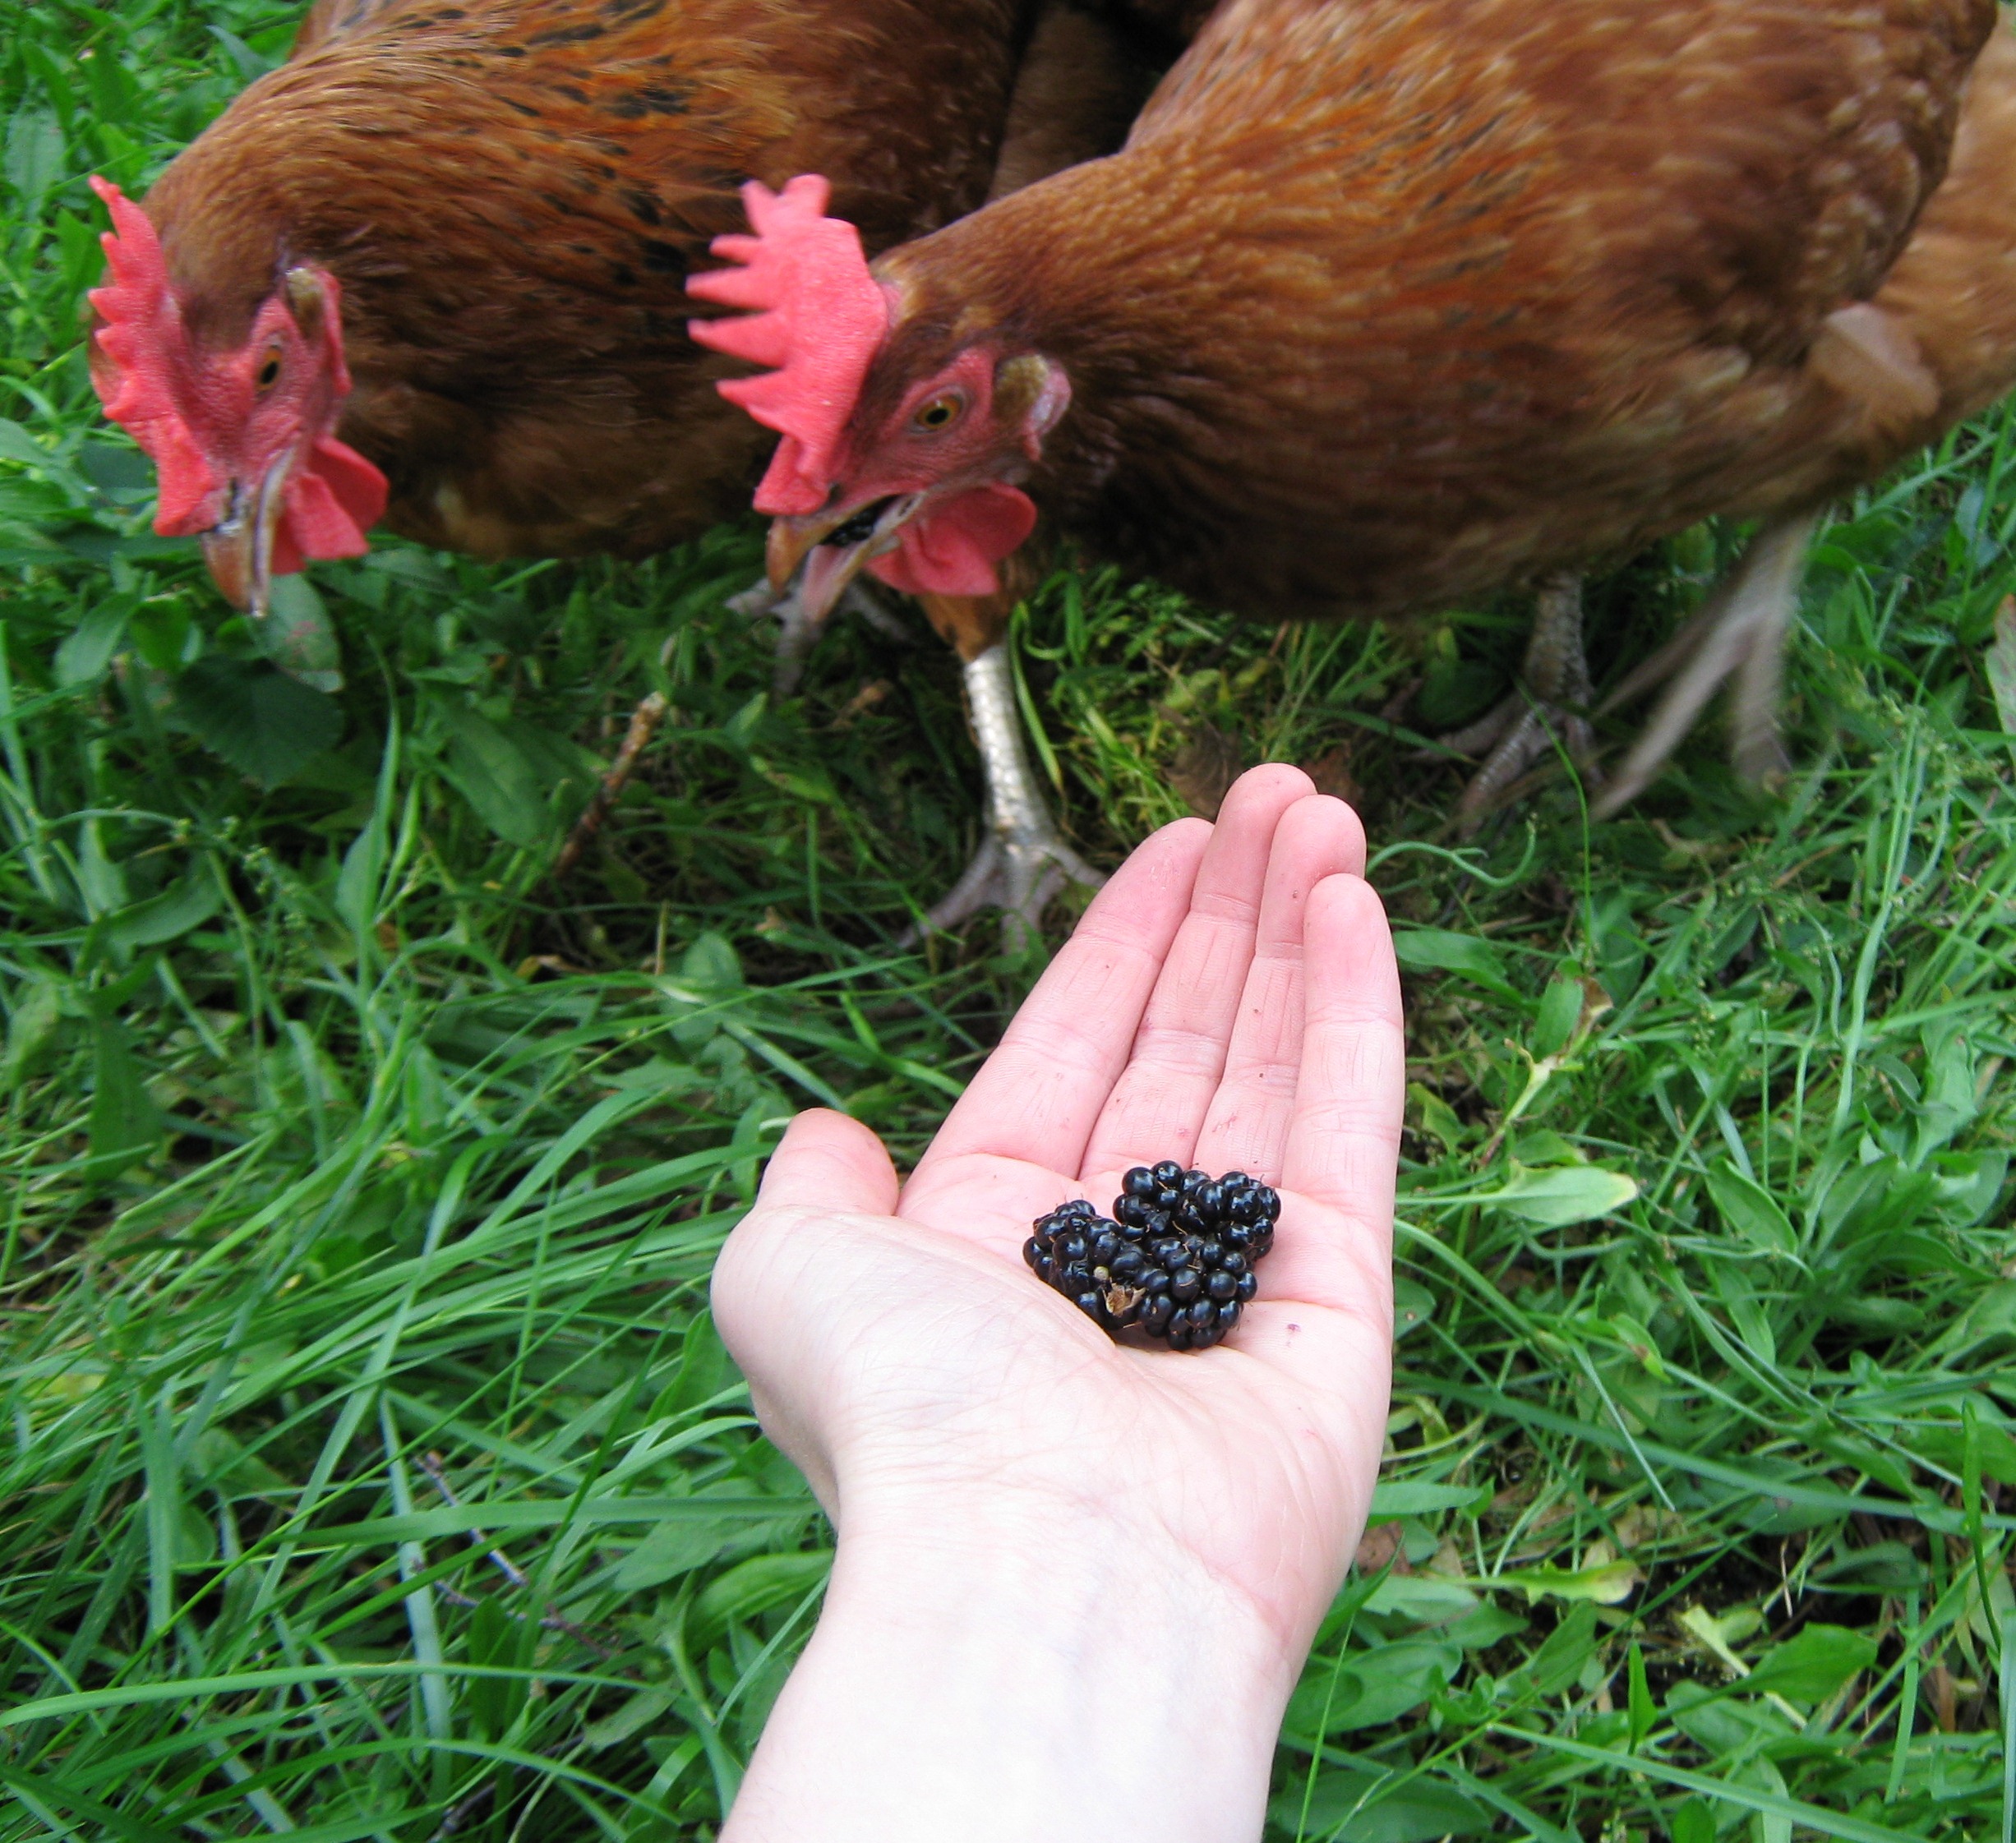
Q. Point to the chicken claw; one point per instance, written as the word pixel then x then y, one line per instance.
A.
pixel 1024 861
pixel 1549 703
pixel 1739 635
pixel 798 633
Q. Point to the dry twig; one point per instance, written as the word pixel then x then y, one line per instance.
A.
pixel 644 721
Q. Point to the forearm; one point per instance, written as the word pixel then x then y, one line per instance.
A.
pixel 994 1683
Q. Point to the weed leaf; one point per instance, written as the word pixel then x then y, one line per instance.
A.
pixel 1811 1666
pixel 265 724
pixel 125 1124
pixel 1562 1194
pixel 2002 666
pixel 1425 949
pixel 495 776
pixel 298 636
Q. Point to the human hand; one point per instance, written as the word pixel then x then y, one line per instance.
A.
pixel 1230 1000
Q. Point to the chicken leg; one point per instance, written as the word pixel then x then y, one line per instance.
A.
pixel 1550 700
pixel 1739 635
pixel 798 633
pixel 1023 861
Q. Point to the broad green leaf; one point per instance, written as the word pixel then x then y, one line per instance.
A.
pixel 754 1587
pixel 1811 1666
pixel 1606 1584
pixel 1691 1822
pixel 264 723
pixel 2001 663
pixel 1992 1315
pixel 1560 1009
pixel 1436 950
pixel 117 470
pixel 31 1027
pixel 712 964
pixel 1544 1146
pixel 17 445
pixel 1944 1443
pixel 125 1123
pixel 101 873
pixel 1370 1688
pixel 1749 1208
pixel 35 155
pixel 251 67
pixel 1644 1711
pixel 500 1641
pixel 1352 1807
pixel 1561 1196
pixel 1410 1497
pixel 87 649
pixel 1412 1306
pixel 219 1462
pixel 628 1719
pixel 298 636
pixel 673 1550
pixel 495 777
pixel 1426 1599
pixel 1752 1325
pixel 1558 1663
pixel 166 916
pixel 401 562
pixel 1481 1629
pixel 1436 1118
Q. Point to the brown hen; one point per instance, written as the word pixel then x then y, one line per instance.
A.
pixel 445 246
pixel 1387 304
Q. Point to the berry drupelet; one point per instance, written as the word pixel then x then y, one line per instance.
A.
pixel 1175 1261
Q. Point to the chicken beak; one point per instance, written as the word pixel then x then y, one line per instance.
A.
pixel 825 553
pixel 239 548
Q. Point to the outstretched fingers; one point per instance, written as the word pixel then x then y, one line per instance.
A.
pixel 1158 1104
pixel 1342 1153
pixel 1038 1095
pixel 1251 1110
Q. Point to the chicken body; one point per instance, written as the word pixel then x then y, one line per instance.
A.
pixel 1387 305
pixel 1390 304
pixel 509 196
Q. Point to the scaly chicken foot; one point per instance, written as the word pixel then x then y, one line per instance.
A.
pixel 1553 694
pixel 1024 861
pixel 1739 636
pixel 798 633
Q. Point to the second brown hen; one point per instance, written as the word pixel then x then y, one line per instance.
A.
pixel 1388 304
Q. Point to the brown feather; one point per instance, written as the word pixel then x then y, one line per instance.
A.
pixel 1390 303
pixel 511 195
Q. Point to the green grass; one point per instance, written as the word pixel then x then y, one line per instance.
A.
pixel 370 1466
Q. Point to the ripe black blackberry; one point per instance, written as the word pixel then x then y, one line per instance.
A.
pixel 1175 1261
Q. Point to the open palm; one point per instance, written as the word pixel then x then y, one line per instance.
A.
pixel 1230 1001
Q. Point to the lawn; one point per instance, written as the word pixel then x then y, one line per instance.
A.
pixel 373 1470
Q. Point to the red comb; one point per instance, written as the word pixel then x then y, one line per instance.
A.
pixel 820 318
pixel 139 334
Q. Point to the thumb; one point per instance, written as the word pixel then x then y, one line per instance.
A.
pixel 828 1162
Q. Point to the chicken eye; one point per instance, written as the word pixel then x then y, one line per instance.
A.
pixel 270 372
pixel 940 413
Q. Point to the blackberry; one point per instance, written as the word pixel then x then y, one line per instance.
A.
pixel 1175 1260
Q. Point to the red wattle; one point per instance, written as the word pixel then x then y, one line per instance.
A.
pixel 952 548
pixel 332 501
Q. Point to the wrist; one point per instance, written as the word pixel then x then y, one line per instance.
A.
pixel 991 1672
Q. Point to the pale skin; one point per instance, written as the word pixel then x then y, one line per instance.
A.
pixel 1076 1580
